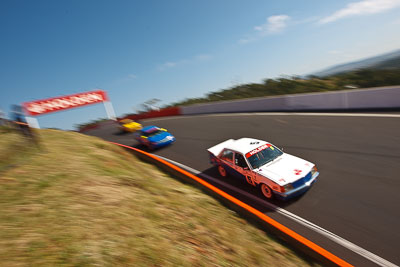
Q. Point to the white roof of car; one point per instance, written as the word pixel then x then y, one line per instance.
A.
pixel 245 145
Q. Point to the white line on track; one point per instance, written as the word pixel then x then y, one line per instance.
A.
pixel 335 238
pixel 281 114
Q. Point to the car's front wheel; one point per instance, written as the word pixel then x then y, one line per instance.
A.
pixel 222 171
pixel 266 191
pixel 150 147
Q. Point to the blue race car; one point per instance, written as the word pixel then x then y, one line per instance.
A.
pixel 154 137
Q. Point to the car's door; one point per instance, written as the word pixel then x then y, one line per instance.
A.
pixel 141 137
pixel 226 158
pixel 242 167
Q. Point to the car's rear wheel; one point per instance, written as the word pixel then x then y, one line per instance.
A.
pixel 222 171
pixel 266 191
pixel 150 147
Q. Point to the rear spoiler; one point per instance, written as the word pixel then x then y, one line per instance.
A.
pixel 215 150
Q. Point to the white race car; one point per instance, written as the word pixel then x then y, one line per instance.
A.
pixel 262 164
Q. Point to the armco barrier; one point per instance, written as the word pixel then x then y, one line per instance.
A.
pixel 372 98
pixel 282 231
pixel 96 125
pixel 88 127
pixel 173 111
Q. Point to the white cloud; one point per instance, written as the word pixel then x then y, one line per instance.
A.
pixel 202 57
pixel 396 21
pixel 245 40
pixel 363 7
pixel 274 24
pixel 335 52
pixel 172 64
pixel 125 79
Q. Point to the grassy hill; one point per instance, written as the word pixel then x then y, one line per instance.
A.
pixel 76 200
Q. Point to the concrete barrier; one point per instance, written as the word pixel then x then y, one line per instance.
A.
pixel 386 97
pixel 372 98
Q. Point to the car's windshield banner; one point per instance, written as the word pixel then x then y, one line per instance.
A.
pixel 258 149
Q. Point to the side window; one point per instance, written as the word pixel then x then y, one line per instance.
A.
pixel 240 161
pixel 227 155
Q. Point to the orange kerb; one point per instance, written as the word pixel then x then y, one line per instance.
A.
pixel 328 255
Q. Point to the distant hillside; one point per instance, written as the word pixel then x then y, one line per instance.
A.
pixel 386 61
pixel 388 64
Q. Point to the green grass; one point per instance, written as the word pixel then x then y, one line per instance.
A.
pixel 79 201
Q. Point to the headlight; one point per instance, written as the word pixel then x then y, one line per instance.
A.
pixel 314 170
pixel 288 187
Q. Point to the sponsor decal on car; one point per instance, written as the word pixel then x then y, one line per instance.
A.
pixel 258 149
pixel 297 172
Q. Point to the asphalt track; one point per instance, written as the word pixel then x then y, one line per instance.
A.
pixel 357 194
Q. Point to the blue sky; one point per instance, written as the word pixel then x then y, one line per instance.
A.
pixel 171 50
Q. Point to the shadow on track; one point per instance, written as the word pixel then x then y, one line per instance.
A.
pixel 121 133
pixel 146 149
pixel 242 185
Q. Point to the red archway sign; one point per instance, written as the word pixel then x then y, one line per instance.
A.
pixel 45 106
pixel 41 107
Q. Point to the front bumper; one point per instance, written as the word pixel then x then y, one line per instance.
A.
pixel 162 144
pixel 128 130
pixel 297 191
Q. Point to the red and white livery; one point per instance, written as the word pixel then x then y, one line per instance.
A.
pixel 262 164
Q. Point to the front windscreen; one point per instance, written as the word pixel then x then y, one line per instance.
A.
pixel 267 153
pixel 153 133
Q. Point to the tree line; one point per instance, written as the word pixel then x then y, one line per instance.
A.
pixel 363 78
